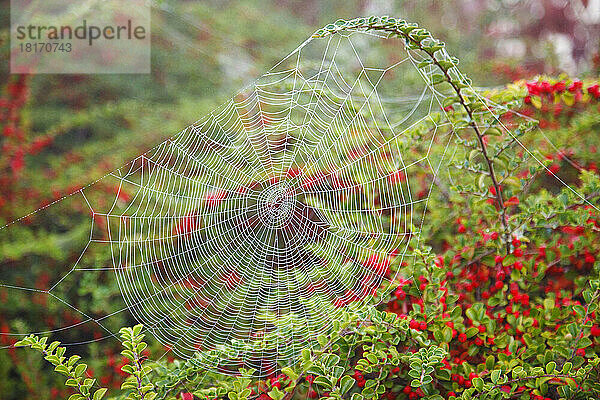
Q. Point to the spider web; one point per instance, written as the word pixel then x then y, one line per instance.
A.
pixel 247 233
pixel 243 237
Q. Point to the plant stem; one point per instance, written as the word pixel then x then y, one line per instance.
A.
pixel 478 133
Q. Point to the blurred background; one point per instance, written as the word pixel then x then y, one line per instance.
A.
pixel 82 126
pixel 60 132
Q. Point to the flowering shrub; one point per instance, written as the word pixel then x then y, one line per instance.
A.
pixel 500 302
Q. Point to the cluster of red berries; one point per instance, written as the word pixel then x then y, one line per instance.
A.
pixel 13 152
pixel 413 393
pixel 541 88
pixel 545 96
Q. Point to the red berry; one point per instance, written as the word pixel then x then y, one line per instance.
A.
pixel 518 252
pixel 518 265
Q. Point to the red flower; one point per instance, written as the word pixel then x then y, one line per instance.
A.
pixel 18 162
pixel 553 169
pixel 575 86
pixel 513 201
pixel 594 91
pixel 8 130
pixel 533 88
pixel 559 86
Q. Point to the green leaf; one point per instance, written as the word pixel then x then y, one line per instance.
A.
pixel 128 368
pixel 306 354
pixel 52 346
pixel 477 383
pixel 22 343
pixel 493 131
pixel 322 381
pixel 290 373
pixel 80 369
pixel 584 342
pixel 550 367
pixel 71 382
pixel 509 260
pixel 571 382
pixel 472 331
pixel 62 369
pixel 424 63
pixel 72 360
pixel 443 374
pixel 346 384
pixel 495 375
pixel 437 78
pixel 447 334
pixel 129 385
pixel 331 360
pixel 489 362
pixel 548 303
pixel 446 65
pixel 579 310
pixel 99 394
pixel 337 372
pixel 372 358
pixel 276 394
pixel 473 154
pixel 322 339
pixel 140 347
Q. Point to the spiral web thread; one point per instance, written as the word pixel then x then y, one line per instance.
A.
pixel 245 235
pixel 251 224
